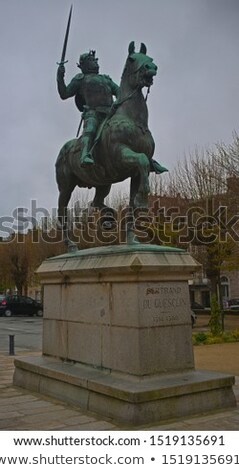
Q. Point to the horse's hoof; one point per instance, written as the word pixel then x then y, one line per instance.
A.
pixel 131 239
pixel 71 246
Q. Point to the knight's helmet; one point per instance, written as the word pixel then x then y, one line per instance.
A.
pixel 88 62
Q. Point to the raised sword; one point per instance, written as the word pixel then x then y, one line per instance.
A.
pixel 63 54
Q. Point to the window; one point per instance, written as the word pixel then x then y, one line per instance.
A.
pixel 225 287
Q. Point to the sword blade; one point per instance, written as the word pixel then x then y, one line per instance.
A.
pixel 63 55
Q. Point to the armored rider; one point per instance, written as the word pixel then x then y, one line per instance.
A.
pixel 93 94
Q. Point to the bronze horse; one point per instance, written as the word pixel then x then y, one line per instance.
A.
pixel 124 147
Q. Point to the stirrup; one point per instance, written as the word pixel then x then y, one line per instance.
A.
pixel 87 160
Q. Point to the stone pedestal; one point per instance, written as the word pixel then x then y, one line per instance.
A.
pixel 117 336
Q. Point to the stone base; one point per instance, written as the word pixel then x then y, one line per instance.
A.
pixel 126 398
pixel 117 336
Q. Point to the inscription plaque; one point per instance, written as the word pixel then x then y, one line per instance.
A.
pixel 164 303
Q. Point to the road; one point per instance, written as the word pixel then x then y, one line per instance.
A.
pixel 27 333
pixel 231 322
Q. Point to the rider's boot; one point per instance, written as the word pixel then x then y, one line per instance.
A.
pixel 86 158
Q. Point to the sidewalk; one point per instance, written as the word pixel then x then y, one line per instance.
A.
pixel 22 410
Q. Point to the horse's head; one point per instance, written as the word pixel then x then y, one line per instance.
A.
pixel 139 68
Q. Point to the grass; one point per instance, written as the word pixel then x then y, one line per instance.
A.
pixel 207 337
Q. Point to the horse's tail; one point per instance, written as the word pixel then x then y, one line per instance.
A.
pixel 62 156
pixel 62 164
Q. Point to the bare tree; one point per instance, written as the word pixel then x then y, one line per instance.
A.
pixel 202 179
pixel 200 176
pixel 22 253
pixel 228 156
pixel 159 185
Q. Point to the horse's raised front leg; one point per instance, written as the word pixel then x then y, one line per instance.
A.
pixel 140 163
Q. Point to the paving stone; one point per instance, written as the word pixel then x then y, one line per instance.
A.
pixel 79 419
pixel 21 410
pixel 97 425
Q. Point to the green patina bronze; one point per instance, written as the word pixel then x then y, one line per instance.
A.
pixel 120 249
pixel 93 97
pixel 116 142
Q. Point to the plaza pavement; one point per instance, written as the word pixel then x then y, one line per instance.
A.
pixel 23 410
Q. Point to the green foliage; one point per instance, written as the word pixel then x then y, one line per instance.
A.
pixel 199 338
pixel 209 338
pixel 215 322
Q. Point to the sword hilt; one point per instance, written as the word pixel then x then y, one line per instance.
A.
pixel 62 63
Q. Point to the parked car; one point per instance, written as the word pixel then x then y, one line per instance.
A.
pixel 233 304
pixel 19 305
pixel 196 306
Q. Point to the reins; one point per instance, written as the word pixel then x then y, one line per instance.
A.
pixel 119 103
pixel 113 109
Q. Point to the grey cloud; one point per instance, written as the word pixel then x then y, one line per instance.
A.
pixel 194 99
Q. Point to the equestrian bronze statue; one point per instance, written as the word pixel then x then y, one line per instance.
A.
pixel 123 146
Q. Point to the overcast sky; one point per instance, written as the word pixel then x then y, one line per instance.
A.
pixel 194 99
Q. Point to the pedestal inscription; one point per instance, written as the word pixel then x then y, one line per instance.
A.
pixel 164 304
